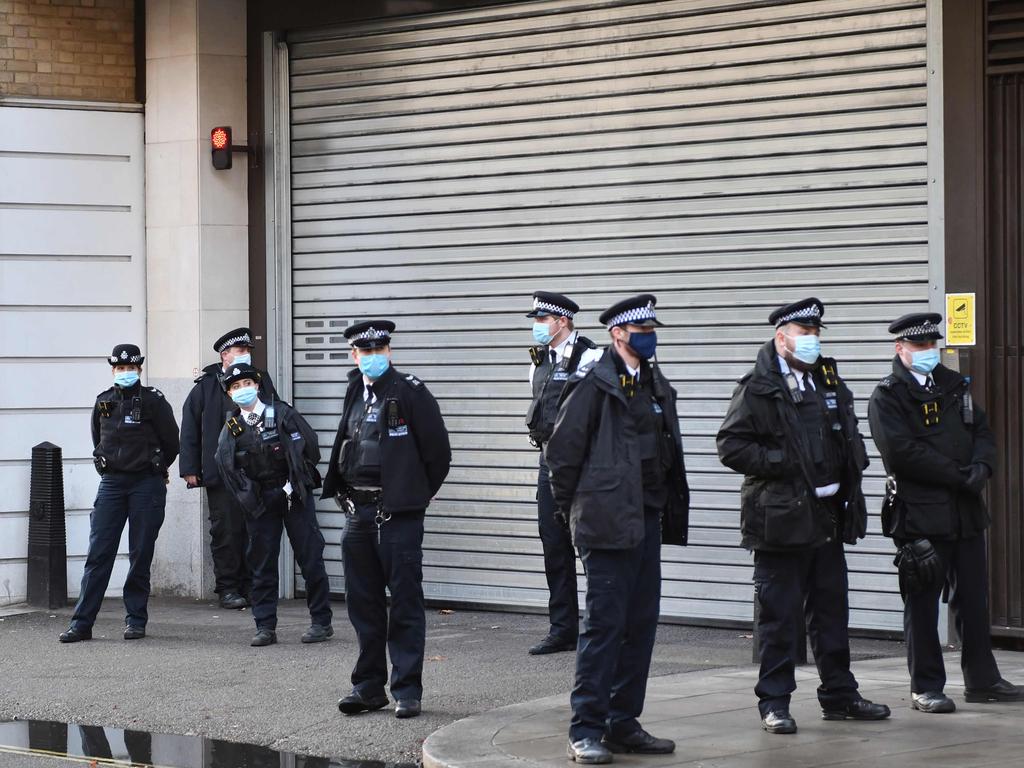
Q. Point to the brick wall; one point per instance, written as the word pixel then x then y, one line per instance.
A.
pixel 68 49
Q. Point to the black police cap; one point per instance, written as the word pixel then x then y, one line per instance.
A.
pixel 370 334
pixel 918 326
pixel 239 372
pixel 126 354
pixel 636 310
pixel 239 337
pixel 807 312
pixel 548 303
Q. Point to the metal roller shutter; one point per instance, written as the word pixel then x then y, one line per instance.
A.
pixel 728 155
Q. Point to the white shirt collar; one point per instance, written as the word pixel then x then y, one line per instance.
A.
pixel 560 348
pixel 257 409
pixel 922 378
pixel 632 371
pixel 784 367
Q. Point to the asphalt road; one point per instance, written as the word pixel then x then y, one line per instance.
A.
pixel 195 674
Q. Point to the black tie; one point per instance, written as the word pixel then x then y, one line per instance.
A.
pixel 554 357
pixel 929 384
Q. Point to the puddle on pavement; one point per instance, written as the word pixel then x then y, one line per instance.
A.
pixel 98 746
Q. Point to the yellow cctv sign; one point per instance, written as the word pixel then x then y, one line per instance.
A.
pixel 960 324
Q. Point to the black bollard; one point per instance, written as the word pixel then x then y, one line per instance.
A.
pixel 47 537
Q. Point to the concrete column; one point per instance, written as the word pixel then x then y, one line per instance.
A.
pixel 196 232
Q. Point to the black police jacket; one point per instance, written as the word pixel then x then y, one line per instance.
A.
pixel 133 430
pixel 932 500
pixel 762 437
pixel 415 454
pixel 302 451
pixel 593 457
pixel 202 417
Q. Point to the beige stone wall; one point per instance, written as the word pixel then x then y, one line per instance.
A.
pixel 68 49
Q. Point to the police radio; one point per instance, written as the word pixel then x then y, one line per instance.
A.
pixel 269 433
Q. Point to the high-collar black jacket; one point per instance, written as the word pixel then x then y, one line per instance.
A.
pixel 124 443
pixel 763 438
pixel 928 460
pixel 596 471
pixel 202 417
pixel 302 452
pixel 415 454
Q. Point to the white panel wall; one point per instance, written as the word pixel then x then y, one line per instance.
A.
pixel 72 285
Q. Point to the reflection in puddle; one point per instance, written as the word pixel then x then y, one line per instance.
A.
pixel 100 746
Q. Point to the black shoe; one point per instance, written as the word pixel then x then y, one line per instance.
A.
pixel 75 635
pixel 639 742
pixel 1001 691
pixel 932 701
pixel 263 637
pixel 355 703
pixel 552 644
pixel 233 601
pixel 407 708
pixel 318 633
pixel 134 633
pixel 861 709
pixel 589 751
pixel 779 721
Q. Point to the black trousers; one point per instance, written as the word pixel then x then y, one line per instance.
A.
pixel 393 562
pixel 298 518
pixel 135 498
pixel 228 542
pixel 614 654
pixel 559 563
pixel 967 576
pixel 792 587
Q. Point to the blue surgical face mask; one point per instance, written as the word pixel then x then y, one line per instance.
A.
pixel 541 333
pixel 246 359
pixel 807 349
pixel 373 366
pixel 244 396
pixel 644 344
pixel 126 379
pixel 924 361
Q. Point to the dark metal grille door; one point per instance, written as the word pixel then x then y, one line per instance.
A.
pixel 728 155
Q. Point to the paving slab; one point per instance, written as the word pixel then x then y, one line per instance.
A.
pixel 712 716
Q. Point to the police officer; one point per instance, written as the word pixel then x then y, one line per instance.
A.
pixel 135 439
pixel 390 456
pixel 267 456
pixel 202 417
pixel 791 430
pixel 617 472
pixel 938 452
pixel 560 352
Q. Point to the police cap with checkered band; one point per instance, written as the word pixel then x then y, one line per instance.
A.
pixel 238 337
pixel 806 312
pixel 126 354
pixel 917 326
pixel 547 303
pixel 636 310
pixel 239 372
pixel 370 334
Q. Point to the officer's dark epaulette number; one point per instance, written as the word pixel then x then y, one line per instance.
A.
pixel 887 382
pixel 582 372
pixel 413 381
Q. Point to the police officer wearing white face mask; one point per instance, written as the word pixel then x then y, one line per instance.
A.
pixel 791 430
pixel 938 452
pixel 390 457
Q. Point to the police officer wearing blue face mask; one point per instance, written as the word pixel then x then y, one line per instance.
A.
pixel 267 455
pixel 617 471
pixel 136 440
pixel 938 452
pixel 390 457
pixel 560 352
pixel 202 417
pixel 791 430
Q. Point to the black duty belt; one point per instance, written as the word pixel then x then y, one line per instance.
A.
pixel 363 496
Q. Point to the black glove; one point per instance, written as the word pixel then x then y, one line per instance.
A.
pixel 977 475
pixel 920 566
pixel 562 518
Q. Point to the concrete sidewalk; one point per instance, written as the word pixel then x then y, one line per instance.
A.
pixel 712 716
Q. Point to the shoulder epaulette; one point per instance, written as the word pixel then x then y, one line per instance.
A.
pixel 155 391
pixel 586 342
pixel 413 381
pixel 583 370
pixel 200 377
pixel 887 382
